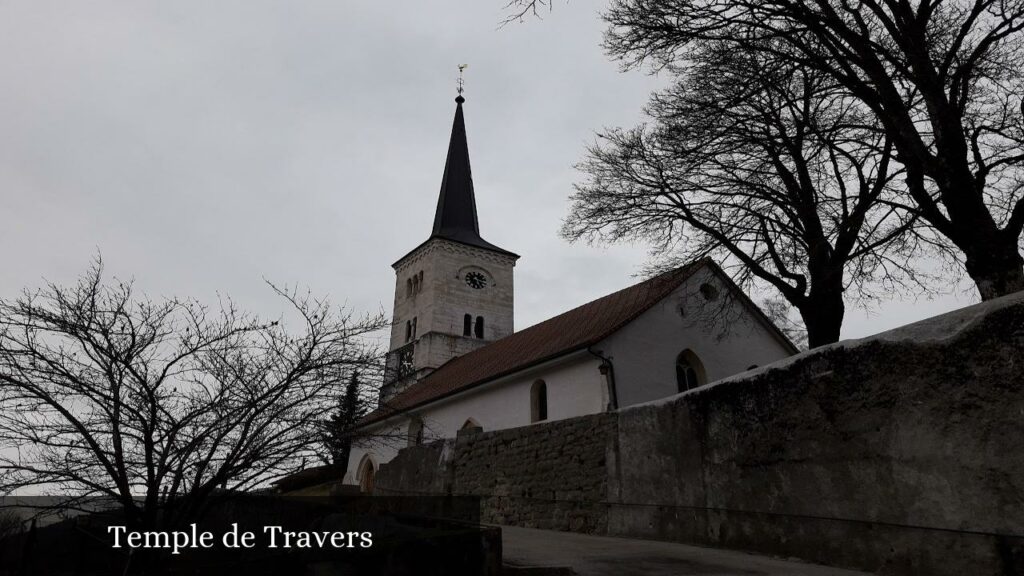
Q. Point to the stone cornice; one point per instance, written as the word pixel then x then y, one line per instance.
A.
pixel 442 244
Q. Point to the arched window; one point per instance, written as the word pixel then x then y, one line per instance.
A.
pixel 689 371
pixel 408 330
pixel 366 473
pixel 420 280
pixel 414 327
pixel 415 432
pixel 415 284
pixel 408 287
pixel 467 325
pixel 539 401
pixel 478 331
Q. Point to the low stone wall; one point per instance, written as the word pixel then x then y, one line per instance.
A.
pixel 551 476
pixel 898 454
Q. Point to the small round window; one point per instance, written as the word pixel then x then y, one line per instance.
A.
pixel 708 291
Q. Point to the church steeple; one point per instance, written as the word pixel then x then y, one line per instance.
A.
pixel 453 292
pixel 455 218
pixel 456 206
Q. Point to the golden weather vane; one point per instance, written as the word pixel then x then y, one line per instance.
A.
pixel 461 84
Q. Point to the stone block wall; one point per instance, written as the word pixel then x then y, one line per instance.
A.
pixel 542 476
pixel 897 454
pixel 549 475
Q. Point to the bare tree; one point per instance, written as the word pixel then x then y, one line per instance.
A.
pixel 156 405
pixel 771 168
pixel 943 77
pixel 520 9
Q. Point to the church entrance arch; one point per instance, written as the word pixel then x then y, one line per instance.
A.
pixel 367 471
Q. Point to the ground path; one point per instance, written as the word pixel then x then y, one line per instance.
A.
pixel 603 556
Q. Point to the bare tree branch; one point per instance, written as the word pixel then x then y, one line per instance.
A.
pixel 157 404
pixel 943 79
pixel 773 169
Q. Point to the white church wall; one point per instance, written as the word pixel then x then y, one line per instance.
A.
pixel 386 440
pixel 724 334
pixel 575 387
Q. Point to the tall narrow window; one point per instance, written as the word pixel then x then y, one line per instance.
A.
pixel 414 327
pixel 408 330
pixel 420 280
pixel 415 432
pixel 689 371
pixel 415 284
pixel 539 401
pixel 478 330
pixel 408 287
pixel 467 325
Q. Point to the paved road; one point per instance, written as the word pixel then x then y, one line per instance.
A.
pixel 602 556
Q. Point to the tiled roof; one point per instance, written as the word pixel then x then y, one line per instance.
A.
pixel 573 330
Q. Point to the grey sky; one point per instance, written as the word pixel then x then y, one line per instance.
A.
pixel 202 146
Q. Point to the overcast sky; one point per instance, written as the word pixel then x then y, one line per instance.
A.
pixel 204 146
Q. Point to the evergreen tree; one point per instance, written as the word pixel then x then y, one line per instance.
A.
pixel 338 430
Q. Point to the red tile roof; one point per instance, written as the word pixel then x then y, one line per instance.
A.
pixel 573 330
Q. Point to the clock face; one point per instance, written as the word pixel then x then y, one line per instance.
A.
pixel 476 280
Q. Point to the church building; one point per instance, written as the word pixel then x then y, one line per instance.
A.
pixel 456 362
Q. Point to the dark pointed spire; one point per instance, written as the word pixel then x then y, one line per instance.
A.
pixel 455 218
pixel 456 206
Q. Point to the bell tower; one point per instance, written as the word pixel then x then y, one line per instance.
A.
pixel 453 292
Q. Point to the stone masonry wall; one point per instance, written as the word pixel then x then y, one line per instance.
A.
pixel 549 476
pixel 897 454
